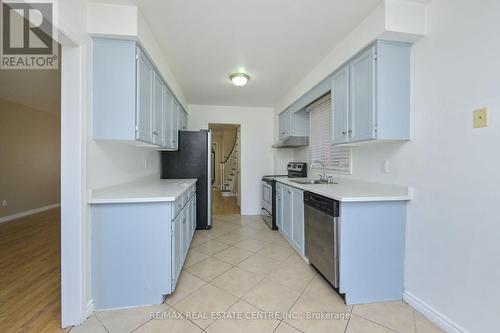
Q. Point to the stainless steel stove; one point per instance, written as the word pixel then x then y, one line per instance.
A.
pixel 268 200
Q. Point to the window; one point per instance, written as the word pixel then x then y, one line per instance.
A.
pixel 337 158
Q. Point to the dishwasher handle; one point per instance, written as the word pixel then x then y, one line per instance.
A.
pixel 321 203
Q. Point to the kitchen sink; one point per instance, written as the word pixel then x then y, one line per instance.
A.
pixel 310 182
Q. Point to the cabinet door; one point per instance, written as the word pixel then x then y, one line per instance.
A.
pixel 186 232
pixel 362 97
pixel 298 220
pixel 279 206
pixel 193 215
pixel 340 106
pixel 167 117
pixel 287 211
pixel 174 125
pixel 158 123
pixel 144 99
pixel 176 249
pixel 284 125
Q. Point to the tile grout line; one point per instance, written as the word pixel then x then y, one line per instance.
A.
pixel 102 324
pixel 377 323
pixel 267 243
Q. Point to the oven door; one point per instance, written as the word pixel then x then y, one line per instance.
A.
pixel 267 197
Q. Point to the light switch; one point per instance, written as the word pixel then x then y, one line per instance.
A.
pixel 481 118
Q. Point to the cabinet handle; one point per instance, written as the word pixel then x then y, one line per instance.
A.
pixel 344 132
pixel 350 132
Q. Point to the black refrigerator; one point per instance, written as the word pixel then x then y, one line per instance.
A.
pixel 193 159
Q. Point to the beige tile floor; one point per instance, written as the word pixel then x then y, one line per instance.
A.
pixel 245 272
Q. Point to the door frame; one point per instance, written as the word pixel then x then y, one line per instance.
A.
pixel 75 233
pixel 215 146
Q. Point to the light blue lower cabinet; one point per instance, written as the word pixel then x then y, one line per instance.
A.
pixel 297 234
pixel 138 250
pixel 372 244
pixel 290 218
pixel 372 249
pixel 279 206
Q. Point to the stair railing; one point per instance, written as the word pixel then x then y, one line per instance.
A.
pixel 223 164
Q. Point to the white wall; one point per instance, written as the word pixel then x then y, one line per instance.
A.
pixel 453 227
pixel 256 141
pixel 111 163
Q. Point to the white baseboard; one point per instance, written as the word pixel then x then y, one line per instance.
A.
pixel 28 212
pixel 435 316
pixel 90 308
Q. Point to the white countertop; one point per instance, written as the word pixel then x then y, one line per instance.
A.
pixel 350 190
pixel 149 189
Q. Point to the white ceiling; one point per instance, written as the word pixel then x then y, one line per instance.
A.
pixel 37 88
pixel 277 42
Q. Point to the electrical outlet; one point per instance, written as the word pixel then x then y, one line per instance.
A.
pixel 481 118
pixel 4 203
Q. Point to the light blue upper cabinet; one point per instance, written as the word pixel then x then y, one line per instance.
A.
pixel 293 122
pixel 371 95
pixel 340 106
pixel 168 102
pixel 174 124
pixel 158 122
pixel 362 93
pixel 130 100
pixel 113 89
pixel 144 99
pixel 284 124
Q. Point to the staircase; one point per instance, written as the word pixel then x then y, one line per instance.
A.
pixel 230 171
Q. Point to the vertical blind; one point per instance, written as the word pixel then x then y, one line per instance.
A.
pixel 337 159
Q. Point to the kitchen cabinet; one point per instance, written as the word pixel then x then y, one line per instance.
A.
pixel 183 227
pixel 284 124
pixel 143 245
pixel 371 95
pixel 279 206
pixel 169 130
pixel 144 93
pixel 340 105
pixel 130 100
pixel 297 233
pixel 293 122
pixel 287 212
pixel 158 112
pixel 176 248
pixel 290 218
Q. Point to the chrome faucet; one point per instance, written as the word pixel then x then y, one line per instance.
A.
pixel 322 177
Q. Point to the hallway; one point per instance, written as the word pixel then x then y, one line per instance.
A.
pixel 223 205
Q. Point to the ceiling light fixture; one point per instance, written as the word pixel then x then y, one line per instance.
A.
pixel 239 79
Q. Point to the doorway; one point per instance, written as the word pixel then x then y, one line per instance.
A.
pixel 226 149
pixel 30 197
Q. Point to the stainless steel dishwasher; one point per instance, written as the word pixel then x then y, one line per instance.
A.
pixel 322 235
